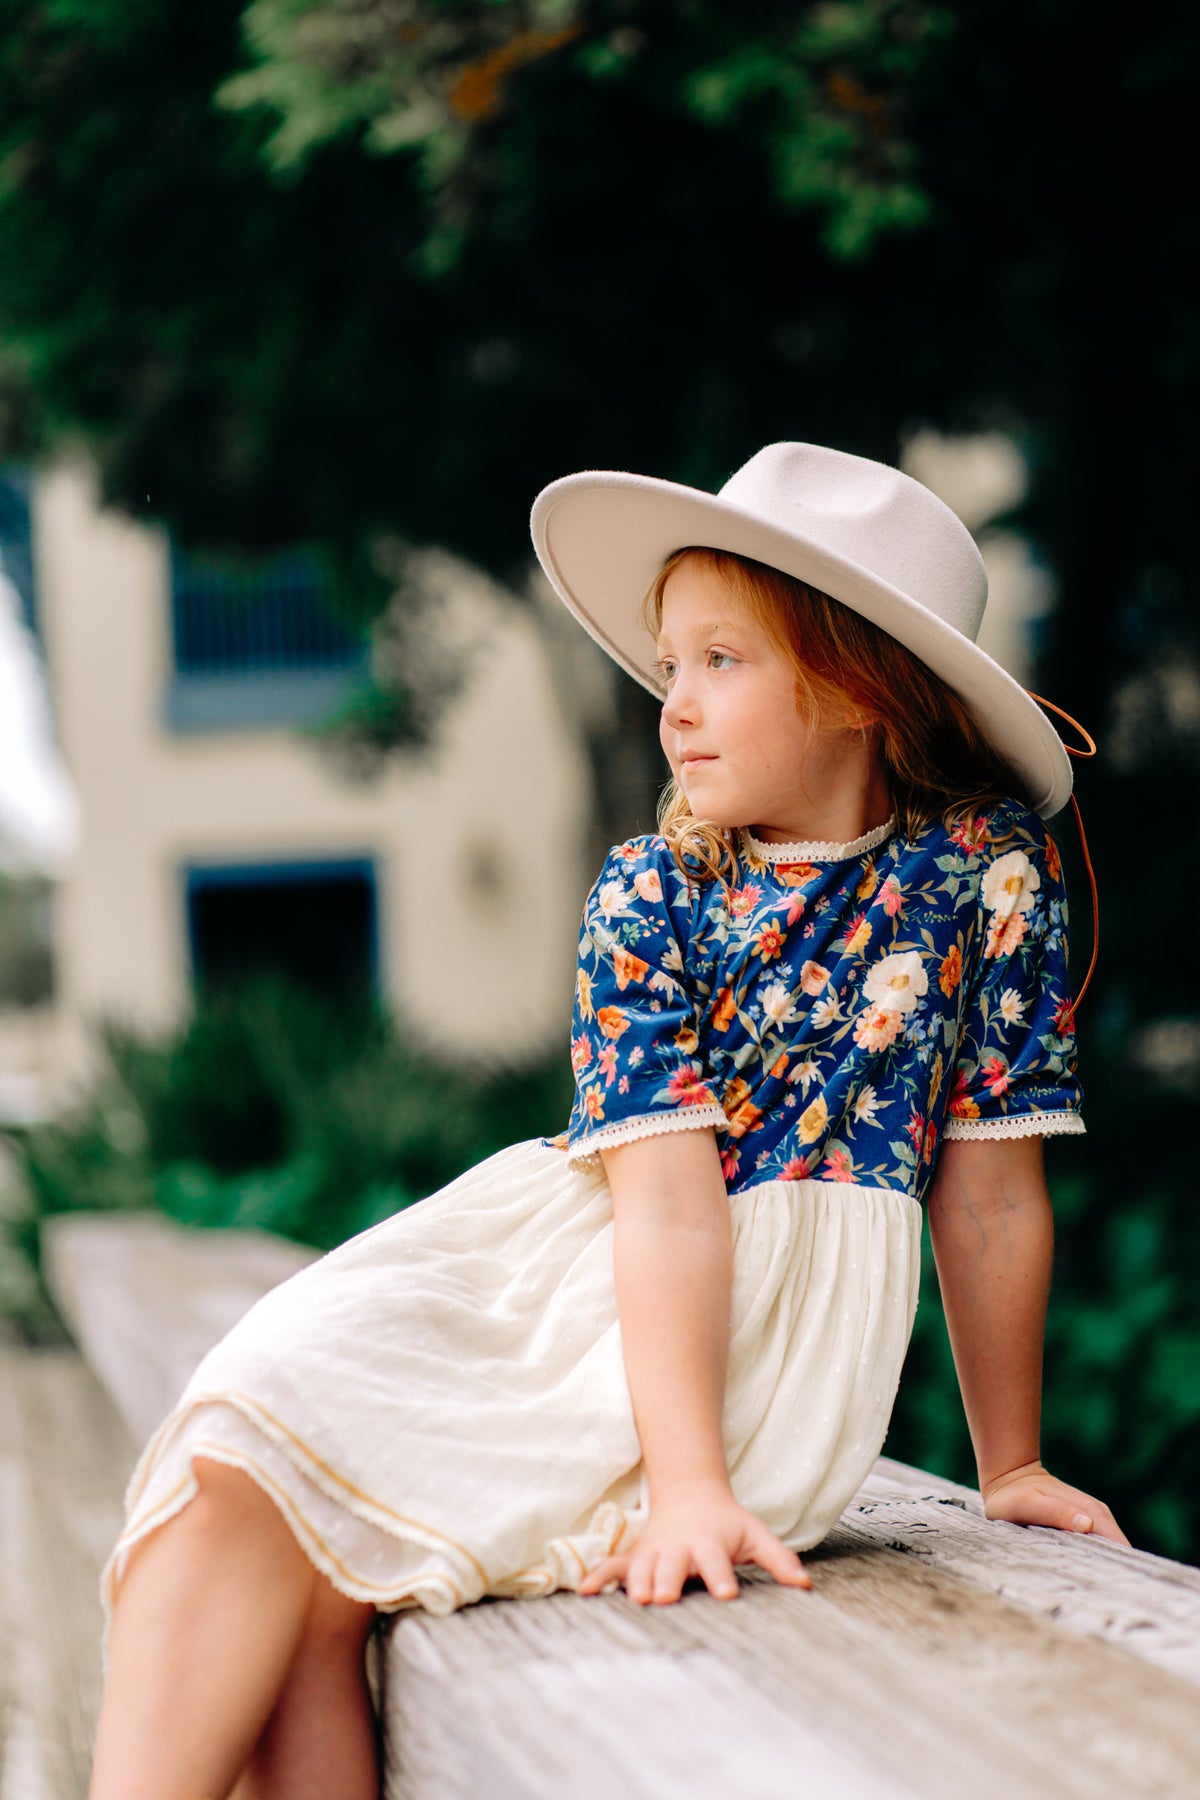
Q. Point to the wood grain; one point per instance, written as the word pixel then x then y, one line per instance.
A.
pixel 64 1459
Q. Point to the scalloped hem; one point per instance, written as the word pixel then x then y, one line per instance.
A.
pixel 1015 1125
pixel 586 1153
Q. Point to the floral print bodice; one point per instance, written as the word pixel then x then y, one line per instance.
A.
pixel 838 1010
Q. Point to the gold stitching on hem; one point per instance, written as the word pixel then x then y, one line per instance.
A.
pixel 232 1395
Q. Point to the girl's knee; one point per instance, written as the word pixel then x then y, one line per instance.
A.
pixel 334 1617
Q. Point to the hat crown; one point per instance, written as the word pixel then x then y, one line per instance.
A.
pixel 870 514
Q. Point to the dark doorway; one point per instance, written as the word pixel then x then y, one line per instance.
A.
pixel 314 923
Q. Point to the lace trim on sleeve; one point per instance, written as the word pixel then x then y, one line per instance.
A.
pixel 1014 1125
pixel 583 1155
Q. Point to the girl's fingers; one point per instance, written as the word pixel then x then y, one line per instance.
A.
pixel 766 1550
pixel 717 1572
pixel 611 1570
pixel 670 1573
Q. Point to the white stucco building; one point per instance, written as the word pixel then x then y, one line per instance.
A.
pixel 213 837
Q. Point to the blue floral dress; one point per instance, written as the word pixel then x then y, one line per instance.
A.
pixel 833 1016
pixel 439 1407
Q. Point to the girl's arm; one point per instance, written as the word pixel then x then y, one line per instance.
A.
pixel 672 1264
pixel 992 1233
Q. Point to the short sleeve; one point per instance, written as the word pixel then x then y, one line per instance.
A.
pixel 634 1028
pixel 1015 1072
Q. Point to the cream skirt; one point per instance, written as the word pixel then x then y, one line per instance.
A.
pixel 439 1407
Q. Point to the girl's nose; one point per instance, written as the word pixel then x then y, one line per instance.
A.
pixel 679 707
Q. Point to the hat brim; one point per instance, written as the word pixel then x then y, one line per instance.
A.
pixel 603 536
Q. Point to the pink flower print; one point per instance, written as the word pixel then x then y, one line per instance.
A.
pixel 623 1085
pixel 606 1062
pixel 890 897
pixel 686 1086
pixel 729 1162
pixel 995 1073
pixel 970 834
pixel 648 884
pixel 795 908
pixel 839 1164
pixel 1003 935
pixel 796 1169
pixel 916 1127
pixel 581 1053
pixel 743 900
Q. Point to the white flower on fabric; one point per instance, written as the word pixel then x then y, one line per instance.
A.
pixel 612 898
pixel 1011 1006
pixel 777 1003
pixel 648 884
pixel 866 1104
pixel 1009 884
pixel 672 957
pixel 805 1073
pixel 895 983
pixel 825 1012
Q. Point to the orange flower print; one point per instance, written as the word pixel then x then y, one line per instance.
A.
pixel 935 1080
pixel 869 882
pixel 995 1073
pixel 581 1052
pixel 724 1010
pixel 779 1066
pixel 961 1104
pixel 770 940
pixel 878 1027
pixel 593 1101
pixel 606 1062
pixel 687 1087
pixel 583 985
pixel 795 1169
pixel 1003 935
pixel 858 934
pixel 794 874
pixel 890 897
pixel 743 900
pixel 747 1117
pixel 628 967
pixel 971 834
pixel 612 1021
pixel 950 973
pixel 1053 861
pixel 685 1039
pixel 812 1121
pixel 731 1156
pixel 840 1165
pixel 930 1141
pixel 648 884
pixel 734 1093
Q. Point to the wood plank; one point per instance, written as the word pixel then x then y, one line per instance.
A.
pixel 146 1298
pixel 893 1678
pixel 64 1460
pixel 1147 1604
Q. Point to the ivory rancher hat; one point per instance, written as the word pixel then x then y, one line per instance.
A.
pixel 862 531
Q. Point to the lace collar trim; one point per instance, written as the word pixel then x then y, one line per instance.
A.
pixel 814 850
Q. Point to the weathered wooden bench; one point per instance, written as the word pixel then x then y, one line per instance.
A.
pixel 938 1654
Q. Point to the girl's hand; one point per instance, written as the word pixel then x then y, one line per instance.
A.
pixel 1031 1496
pixel 696 1528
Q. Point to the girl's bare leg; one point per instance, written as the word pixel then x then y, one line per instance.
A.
pixel 321 1739
pixel 210 1615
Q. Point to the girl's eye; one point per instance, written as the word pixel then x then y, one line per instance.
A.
pixel 665 667
pixel 722 656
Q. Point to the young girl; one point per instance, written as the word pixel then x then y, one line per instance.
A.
pixel 832 990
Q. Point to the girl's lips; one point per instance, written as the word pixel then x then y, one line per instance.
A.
pixel 692 762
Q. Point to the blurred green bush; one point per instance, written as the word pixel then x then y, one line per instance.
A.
pixel 1121 1406
pixel 269 1107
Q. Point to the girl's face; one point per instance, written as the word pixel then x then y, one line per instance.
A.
pixel 730 727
